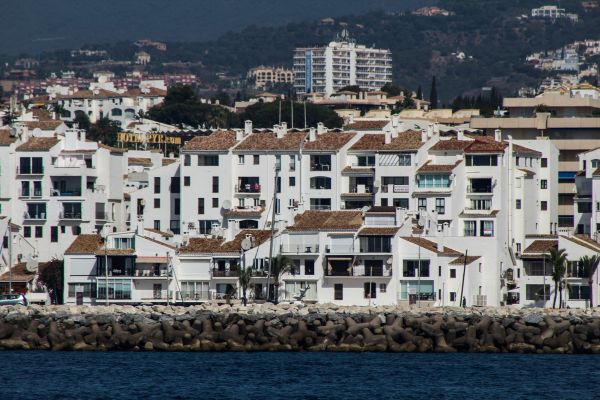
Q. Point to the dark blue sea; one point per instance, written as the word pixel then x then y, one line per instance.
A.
pixel 265 376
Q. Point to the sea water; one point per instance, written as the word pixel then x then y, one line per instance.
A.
pixel 330 376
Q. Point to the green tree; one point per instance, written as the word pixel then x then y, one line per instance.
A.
pixel 105 131
pixel 351 88
pixel 393 90
pixel 558 259
pixel 433 95
pixel 51 275
pixel 244 279
pixel 590 265
pixel 419 93
pixel 82 120
pixel 279 266
pixel 222 97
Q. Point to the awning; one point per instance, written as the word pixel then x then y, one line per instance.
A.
pixel 151 260
pixel 340 258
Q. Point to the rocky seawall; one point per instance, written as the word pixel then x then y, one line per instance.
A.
pixel 291 328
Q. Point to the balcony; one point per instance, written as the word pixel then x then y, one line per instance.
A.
pixel 299 248
pixel 150 273
pixel 395 188
pixel 30 171
pixel 70 192
pixel 216 273
pixel 248 186
pixel 193 296
pixel 359 271
pixel 339 249
pixel 480 190
pixel 69 215
pixel 40 216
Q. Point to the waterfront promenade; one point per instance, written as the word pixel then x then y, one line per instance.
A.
pixel 265 327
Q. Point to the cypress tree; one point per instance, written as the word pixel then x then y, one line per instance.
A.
pixel 433 96
pixel 419 93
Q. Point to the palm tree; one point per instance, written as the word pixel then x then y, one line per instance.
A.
pixel 590 265
pixel 279 266
pixel 244 278
pixel 558 258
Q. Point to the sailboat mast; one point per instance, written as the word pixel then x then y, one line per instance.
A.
pixel 273 207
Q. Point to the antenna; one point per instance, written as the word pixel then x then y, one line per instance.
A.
pixel 279 111
pixel 292 113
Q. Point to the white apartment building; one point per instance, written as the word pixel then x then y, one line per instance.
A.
pixel 343 62
pixel 553 12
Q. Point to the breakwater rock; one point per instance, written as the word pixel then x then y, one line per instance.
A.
pixel 291 328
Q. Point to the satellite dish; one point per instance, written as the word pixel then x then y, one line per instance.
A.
pixel 389 261
pixel 377 184
pixel 227 205
pixel 247 243
pixel 365 209
pixel 31 265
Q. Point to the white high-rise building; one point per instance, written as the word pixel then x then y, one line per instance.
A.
pixel 343 62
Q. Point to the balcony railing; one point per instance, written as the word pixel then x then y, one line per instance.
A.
pixel 225 274
pixel 360 271
pixel 299 248
pixel 480 189
pixel 38 216
pixel 191 296
pixel 30 171
pixel 248 188
pixel 69 215
pixel 320 167
pixel 65 193
pixel 149 273
pixel 339 249
pixel 102 216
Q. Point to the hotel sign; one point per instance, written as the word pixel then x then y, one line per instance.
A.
pixel 158 138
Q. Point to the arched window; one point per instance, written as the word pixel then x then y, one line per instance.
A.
pixel 320 182
pixel 116 112
pixel 130 113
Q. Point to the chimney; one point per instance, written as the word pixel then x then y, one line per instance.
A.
pixel 282 130
pixel 247 127
pixel 320 128
pixel 440 245
pixel 395 120
pixel 388 137
pixel 82 135
pixel 423 135
pixel 429 131
pixel 350 118
pixel 460 135
pixel 436 128
pixel 239 135
pixel 71 139
pixel 312 135
pixel 54 115
pixel 171 155
pixel 498 135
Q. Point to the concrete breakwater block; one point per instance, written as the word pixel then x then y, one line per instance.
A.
pixel 292 328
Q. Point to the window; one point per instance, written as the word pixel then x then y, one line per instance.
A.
pixel 544 184
pixel 583 207
pixel 256 159
pixel 544 162
pixel 439 270
pixel 208 160
pixel 157 224
pixel 320 182
pixel 241 160
pixel 205 225
pixel 156 203
pixel 536 268
pixel 366 161
pixel 215 184
pixel 401 203
pixel 518 204
pixel 156 184
pixel 27 231
pixel 394 160
pixel 320 204
pixel 39 231
pixel 292 162
pixel 118 289
pixel 481 160
pixel 470 228
pixel 544 205
pixel 384 202
pixel 376 244
pixel 278 184
pixel 88 289
pixel 433 180
pixel 338 291
pixel 370 290
pixel 452 296
pixel 200 206
pixel 440 205
pixel 422 203
pixel 537 292
pixel 176 206
pixel 383 287
pixel 320 162
pixel 424 289
pixel 410 268
pixel 54 234
pixel 487 228
pixel 579 292
pixel 187 160
pixel 309 267
pixel 452 272
pixel 186 181
pixel 292 181
pixel 175 184
pixel 174 226
pixel 215 202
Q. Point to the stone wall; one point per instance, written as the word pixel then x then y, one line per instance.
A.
pixel 291 328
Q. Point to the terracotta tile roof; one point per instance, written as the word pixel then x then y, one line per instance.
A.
pixel 115 252
pixel 461 260
pixel 111 149
pixel 382 231
pixel 428 167
pixel 527 172
pixel 518 149
pixel 492 214
pixel 330 141
pixel 168 161
pixel 38 144
pixel 85 244
pixel 216 141
pixel 358 170
pixel 432 246
pixel 596 172
pixel 151 92
pixel 159 242
pixel 159 232
pixel 405 141
pixel 41 114
pixel 89 94
pixel 265 141
pixel 240 213
pixel 146 162
pixel 480 145
pixel 540 246
pixel 367 125
pixel 212 245
pixel 382 210
pixel 314 220
pixel 451 145
pixel 19 274
pixel 584 241
pixel 5 138
pixel 43 125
